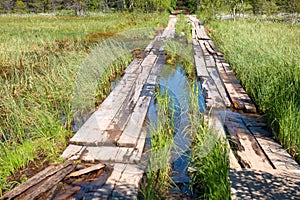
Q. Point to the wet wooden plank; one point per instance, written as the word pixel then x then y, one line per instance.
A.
pixel 47 184
pixel 38 178
pixel 280 158
pixel 249 151
pixel 213 72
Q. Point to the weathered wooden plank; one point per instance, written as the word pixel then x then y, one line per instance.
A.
pixel 200 63
pixel 93 132
pixel 204 50
pixel 47 184
pixel 87 170
pixel 128 185
pixel 39 177
pixel 209 48
pixel 134 67
pixel 250 154
pixel 212 96
pixel 100 153
pixel 237 104
pixel 106 190
pixel 213 72
pixel 216 121
pixel 169 31
pixel 280 158
pixel 73 152
pixel 209 61
pixel 132 131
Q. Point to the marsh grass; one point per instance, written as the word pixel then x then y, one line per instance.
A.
pixel 265 56
pixel 210 161
pixel 40 58
pixel 158 178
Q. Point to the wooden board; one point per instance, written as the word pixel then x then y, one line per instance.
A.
pixel 213 72
pixel 275 152
pixel 200 62
pixel 212 96
pixel 128 185
pixel 87 170
pixel 73 152
pixel 249 152
pixel 209 61
pixel 37 179
pixel 93 132
pixel 106 190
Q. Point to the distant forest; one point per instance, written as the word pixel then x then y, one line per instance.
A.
pixel 79 7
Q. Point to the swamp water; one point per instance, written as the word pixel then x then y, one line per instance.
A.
pixel 173 80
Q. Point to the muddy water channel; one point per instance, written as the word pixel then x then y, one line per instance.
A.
pixel 173 80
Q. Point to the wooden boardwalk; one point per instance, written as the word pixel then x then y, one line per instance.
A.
pixel 113 138
pixel 115 133
pixel 259 167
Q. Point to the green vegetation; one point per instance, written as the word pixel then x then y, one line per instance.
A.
pixel 81 7
pixel 209 157
pixel 161 137
pixel 265 56
pixel 40 58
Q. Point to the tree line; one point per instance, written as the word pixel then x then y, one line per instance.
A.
pixel 81 6
pixel 256 6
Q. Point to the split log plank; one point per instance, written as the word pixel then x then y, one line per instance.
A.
pixel 39 177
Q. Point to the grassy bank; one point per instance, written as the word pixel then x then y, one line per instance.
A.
pixel 265 56
pixel 39 60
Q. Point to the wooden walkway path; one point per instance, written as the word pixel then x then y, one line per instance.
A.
pixel 259 167
pixel 113 138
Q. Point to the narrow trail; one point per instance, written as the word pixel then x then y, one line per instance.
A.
pixel 110 144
